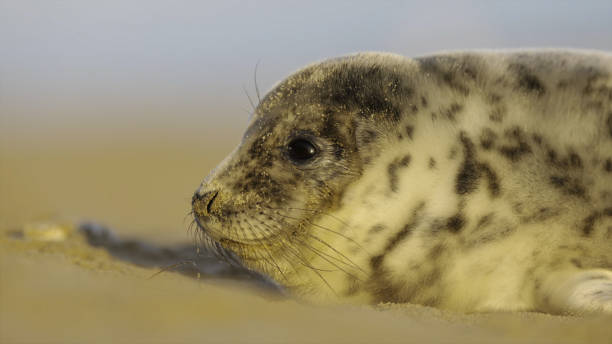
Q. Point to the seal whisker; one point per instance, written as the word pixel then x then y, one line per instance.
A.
pixel 283 255
pixel 324 255
pixel 317 272
pixel 350 262
pixel 272 262
pixel 172 266
pixel 267 251
pixel 325 228
pixel 189 214
pixel 211 245
pixel 316 212
pixel 255 81
pixel 304 262
pixel 296 253
pixel 291 247
pixel 249 97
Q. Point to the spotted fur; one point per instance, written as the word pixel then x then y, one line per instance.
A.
pixel 469 181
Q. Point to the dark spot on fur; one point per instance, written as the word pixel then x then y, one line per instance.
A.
pixel 577 263
pixel 519 145
pixel 527 81
pixel 399 236
pixel 376 261
pixel 376 229
pixel 437 224
pixel 451 112
pixel 570 161
pixel 455 223
pixel 552 156
pixel 452 153
pixel 392 169
pixel 484 221
pixel 540 215
pixel 404 161
pixel 466 180
pixel 487 138
pixel 517 207
pixel 435 252
pixel 413 109
pixel 497 114
pixel 432 163
pixel 575 160
pixel 595 83
pixel 471 170
pixel 589 222
pixel 608 165
pixel 443 69
pixel 609 122
pixel 423 102
pixel 569 186
pixel 537 139
pixel 409 131
pixel 558 181
pixel 469 72
pixel 492 179
pixel 494 98
pixel 402 234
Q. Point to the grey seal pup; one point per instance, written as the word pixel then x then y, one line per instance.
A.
pixel 471 181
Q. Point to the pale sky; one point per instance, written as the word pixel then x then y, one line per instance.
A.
pixel 57 56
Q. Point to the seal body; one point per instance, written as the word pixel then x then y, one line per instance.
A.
pixel 469 181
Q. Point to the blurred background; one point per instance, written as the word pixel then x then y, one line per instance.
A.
pixel 114 111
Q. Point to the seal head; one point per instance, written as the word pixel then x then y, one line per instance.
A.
pixel 309 138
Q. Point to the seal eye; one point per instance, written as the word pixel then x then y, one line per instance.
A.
pixel 301 150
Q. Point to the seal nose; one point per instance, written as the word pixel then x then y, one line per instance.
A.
pixel 202 201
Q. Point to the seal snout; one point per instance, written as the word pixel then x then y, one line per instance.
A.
pixel 202 202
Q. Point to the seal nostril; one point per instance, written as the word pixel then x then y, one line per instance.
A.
pixel 196 197
pixel 202 202
pixel 210 202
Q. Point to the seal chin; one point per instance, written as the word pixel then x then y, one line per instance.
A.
pixel 213 245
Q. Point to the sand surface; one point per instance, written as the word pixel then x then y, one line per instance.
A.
pixel 57 285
